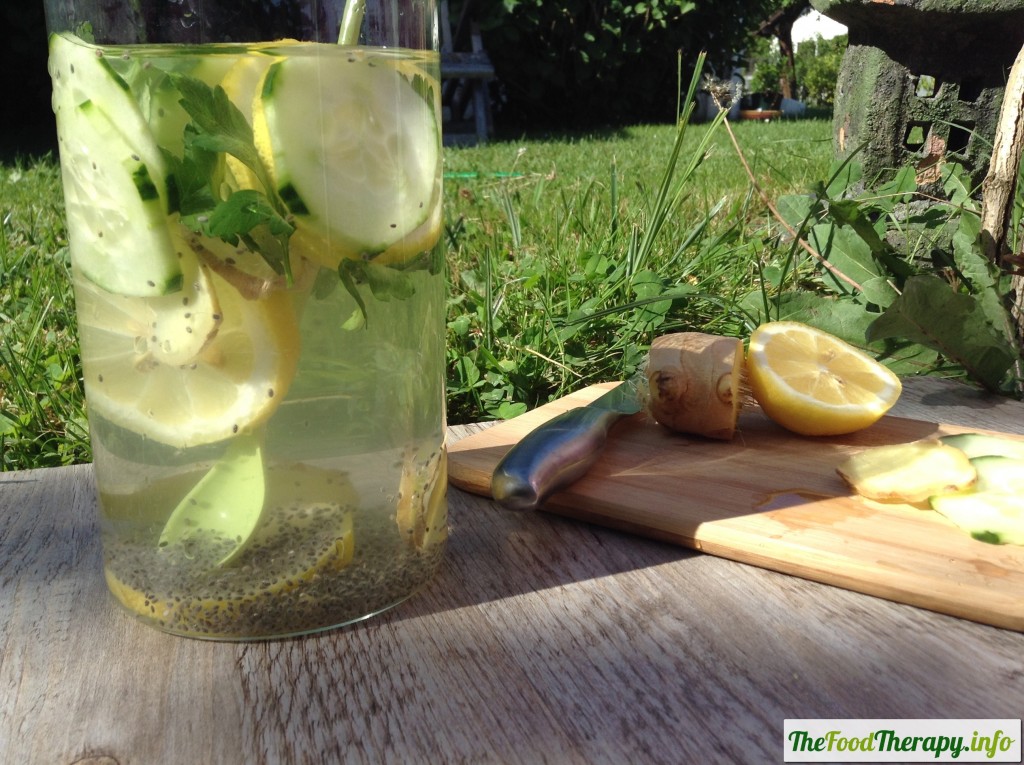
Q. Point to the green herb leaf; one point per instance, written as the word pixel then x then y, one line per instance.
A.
pixel 384 282
pixel 348 281
pixel 256 218
pixel 192 191
pixel 219 125
pixel 244 211
pixel 932 313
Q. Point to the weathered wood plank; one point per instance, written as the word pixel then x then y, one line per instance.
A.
pixel 541 640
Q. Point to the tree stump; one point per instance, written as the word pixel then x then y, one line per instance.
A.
pixel 921 83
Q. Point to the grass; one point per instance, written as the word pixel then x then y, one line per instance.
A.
pixel 567 255
pixel 42 420
pixel 556 280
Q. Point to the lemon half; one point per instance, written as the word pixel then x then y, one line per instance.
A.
pixel 815 384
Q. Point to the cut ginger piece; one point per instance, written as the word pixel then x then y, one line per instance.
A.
pixel 908 473
pixel 696 382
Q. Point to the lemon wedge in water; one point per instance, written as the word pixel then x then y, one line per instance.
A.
pixel 189 368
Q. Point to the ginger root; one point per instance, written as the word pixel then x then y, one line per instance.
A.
pixel 695 382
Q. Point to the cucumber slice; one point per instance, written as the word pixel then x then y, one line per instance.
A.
pixel 354 148
pixel 1004 475
pixel 117 218
pixel 984 445
pixel 994 510
pixel 115 179
pixel 80 73
pixel 153 89
pixel 986 516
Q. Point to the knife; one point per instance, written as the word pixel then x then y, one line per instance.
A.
pixel 559 452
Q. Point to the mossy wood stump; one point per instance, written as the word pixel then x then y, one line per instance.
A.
pixel 922 82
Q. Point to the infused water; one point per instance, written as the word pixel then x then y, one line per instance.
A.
pixel 256 254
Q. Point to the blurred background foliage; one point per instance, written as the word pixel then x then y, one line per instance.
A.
pixel 577 64
pixel 583 63
pixel 817 69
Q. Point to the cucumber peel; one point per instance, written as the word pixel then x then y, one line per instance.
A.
pixel 115 178
pixel 994 510
pixel 984 445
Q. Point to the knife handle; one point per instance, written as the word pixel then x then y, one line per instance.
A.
pixel 551 457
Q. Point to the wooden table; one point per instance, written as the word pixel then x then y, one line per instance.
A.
pixel 542 640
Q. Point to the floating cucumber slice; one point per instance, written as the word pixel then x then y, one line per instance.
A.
pixel 115 179
pixel 353 147
pixel 160 101
pixel 994 510
pixel 80 73
pixel 984 445
pixel 116 214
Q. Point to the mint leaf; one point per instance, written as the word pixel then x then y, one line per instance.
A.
pixel 348 281
pixel 190 182
pixel 325 283
pixel 384 282
pixel 242 212
pixel 219 126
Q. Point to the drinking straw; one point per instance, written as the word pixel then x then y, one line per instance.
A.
pixel 482 175
pixel 351 22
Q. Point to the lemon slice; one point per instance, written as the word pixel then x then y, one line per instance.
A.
pixel 815 384
pixel 422 511
pixel 152 367
pixel 169 329
pixel 240 83
pixel 304 535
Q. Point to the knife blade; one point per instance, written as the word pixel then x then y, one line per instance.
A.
pixel 559 452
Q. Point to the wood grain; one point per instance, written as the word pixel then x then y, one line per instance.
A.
pixel 772 498
pixel 542 640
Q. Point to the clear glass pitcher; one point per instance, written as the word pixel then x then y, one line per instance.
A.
pixel 253 194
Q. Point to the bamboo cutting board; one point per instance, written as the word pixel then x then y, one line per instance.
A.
pixel 773 499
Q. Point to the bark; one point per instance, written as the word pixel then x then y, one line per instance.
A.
pixel 998 191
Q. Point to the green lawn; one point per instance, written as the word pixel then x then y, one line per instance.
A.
pixel 553 284
pixel 567 254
